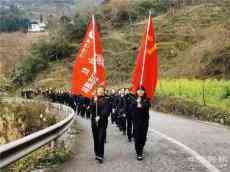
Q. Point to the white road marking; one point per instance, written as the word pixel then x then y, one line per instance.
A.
pixel 193 153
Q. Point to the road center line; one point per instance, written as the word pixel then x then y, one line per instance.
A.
pixel 193 153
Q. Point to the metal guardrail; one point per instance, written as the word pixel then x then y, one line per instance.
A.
pixel 17 149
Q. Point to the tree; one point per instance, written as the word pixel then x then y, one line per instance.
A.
pixel 13 19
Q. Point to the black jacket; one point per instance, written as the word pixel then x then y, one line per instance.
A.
pixel 103 109
pixel 121 105
pixel 140 114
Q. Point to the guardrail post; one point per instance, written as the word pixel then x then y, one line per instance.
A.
pixel 53 144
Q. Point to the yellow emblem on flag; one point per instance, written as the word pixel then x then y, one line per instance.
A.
pixel 152 50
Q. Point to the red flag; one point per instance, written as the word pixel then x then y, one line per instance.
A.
pixel 146 69
pixel 89 71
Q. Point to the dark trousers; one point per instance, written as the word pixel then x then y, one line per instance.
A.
pixel 119 122
pixel 140 135
pixel 99 139
pixel 82 111
pixel 87 113
pixel 123 124
pixel 105 133
pixel 129 126
pixel 113 117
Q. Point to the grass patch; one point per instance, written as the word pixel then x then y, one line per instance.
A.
pixel 214 93
pixel 191 109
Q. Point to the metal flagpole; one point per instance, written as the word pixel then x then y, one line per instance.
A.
pixel 146 42
pixel 95 61
pixel 94 48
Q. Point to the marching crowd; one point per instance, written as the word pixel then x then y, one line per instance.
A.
pixel 130 113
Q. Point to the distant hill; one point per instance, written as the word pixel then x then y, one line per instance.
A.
pixel 192 43
pixel 49 7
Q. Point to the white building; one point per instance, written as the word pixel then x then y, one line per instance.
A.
pixel 37 27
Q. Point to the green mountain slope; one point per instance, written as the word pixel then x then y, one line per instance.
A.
pixel 194 43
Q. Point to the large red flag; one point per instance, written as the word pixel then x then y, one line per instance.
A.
pixel 89 71
pixel 146 69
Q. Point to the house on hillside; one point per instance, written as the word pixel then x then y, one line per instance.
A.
pixel 36 27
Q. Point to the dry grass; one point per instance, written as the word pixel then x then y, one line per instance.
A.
pixel 13 46
pixel 20 119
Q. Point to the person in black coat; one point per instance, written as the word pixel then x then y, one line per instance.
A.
pixel 128 98
pixel 113 106
pixel 109 99
pixel 87 111
pixel 140 106
pixel 122 111
pixel 82 106
pixel 114 113
pixel 100 110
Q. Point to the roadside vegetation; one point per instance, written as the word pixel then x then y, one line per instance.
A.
pixel 207 100
pixel 38 59
pixel 214 93
pixel 21 119
pixel 45 157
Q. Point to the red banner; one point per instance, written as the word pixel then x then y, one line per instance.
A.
pixel 85 77
pixel 146 69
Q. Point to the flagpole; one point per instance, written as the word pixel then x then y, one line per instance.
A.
pixel 95 61
pixel 146 42
pixel 94 48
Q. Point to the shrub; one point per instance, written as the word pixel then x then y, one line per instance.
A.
pixel 79 26
pixel 25 117
pixel 52 50
pixel 27 69
pixel 68 29
pixel 38 59
pixel 157 7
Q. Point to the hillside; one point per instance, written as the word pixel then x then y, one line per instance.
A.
pixel 13 46
pixel 193 40
pixel 194 43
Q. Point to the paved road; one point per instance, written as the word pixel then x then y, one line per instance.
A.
pixel 174 144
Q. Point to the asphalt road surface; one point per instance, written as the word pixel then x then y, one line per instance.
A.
pixel 174 144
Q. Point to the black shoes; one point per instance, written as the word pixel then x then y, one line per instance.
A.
pixel 139 157
pixel 99 159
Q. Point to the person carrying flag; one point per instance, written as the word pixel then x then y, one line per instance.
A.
pixel 140 115
pixel 89 80
pixel 144 82
pixel 100 110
